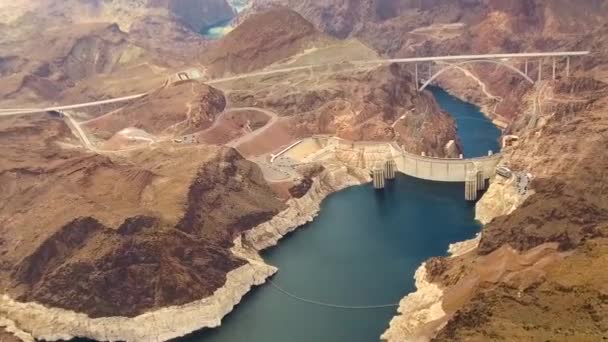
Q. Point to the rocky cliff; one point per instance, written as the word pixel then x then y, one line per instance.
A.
pixel 132 218
pixel 364 104
pixel 528 267
pixel 262 40
pixel 173 110
pixel 142 244
pixel 441 27
pixel 77 50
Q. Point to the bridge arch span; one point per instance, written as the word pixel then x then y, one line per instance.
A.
pixel 491 61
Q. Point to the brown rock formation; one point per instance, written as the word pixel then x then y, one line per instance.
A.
pixel 131 218
pixel 8 337
pixel 440 27
pixel 261 40
pixel 546 295
pixel 179 108
pixel 378 104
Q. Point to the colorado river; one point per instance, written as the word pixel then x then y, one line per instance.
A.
pixel 218 30
pixel 362 250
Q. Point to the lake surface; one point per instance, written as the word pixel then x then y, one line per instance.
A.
pixel 477 133
pixel 362 250
pixel 218 30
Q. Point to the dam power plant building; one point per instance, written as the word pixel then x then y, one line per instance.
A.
pixel 384 159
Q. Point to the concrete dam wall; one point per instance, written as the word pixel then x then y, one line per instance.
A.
pixel 373 155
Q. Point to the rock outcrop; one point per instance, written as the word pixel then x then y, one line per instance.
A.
pixel 52 323
pixel 262 40
pixel 415 310
pixel 536 247
pixel 81 50
pixel 363 104
pixel 176 109
pixel 502 198
pixel 170 222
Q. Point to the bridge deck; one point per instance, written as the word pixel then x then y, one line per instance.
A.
pixel 7 112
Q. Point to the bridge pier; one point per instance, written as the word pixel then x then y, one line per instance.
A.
pixel 540 70
pixel 568 66
pixel 526 67
pixel 554 67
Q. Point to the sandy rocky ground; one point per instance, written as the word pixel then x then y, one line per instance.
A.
pixel 94 201
pixel 194 215
pixel 526 279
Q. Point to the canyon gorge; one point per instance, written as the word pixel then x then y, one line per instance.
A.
pixel 154 217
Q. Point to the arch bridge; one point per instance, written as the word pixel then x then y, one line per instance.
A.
pixel 506 60
pixel 519 63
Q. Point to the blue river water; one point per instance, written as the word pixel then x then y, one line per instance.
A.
pixel 218 30
pixel 477 133
pixel 363 249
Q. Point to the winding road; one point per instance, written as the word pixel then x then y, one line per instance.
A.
pixel 249 136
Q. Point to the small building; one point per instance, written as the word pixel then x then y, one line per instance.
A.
pixel 183 76
pixel 189 139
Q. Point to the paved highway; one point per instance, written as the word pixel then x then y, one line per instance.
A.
pixel 5 112
pixel 83 137
pixel 249 136
pixel 68 107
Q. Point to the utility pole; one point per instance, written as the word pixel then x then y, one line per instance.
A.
pixel 417 83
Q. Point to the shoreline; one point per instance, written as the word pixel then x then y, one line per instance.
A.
pixel 416 310
pixel 29 321
pixel 420 313
pixel 484 108
pixel 175 321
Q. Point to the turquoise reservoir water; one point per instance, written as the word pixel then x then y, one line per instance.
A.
pixel 363 249
pixel 218 30
pixel 477 134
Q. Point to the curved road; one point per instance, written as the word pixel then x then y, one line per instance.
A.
pixel 249 136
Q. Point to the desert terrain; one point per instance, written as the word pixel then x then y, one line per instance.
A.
pixel 157 202
pixel 97 199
